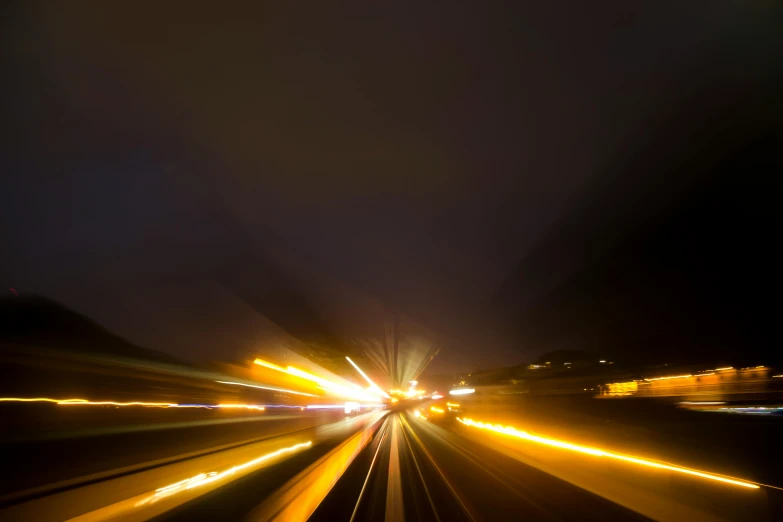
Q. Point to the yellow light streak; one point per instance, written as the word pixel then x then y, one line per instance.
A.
pixel 373 387
pixel 241 406
pixel 344 391
pixel 513 432
pixel 205 478
pixel 436 409
pixel 452 404
pixel 282 390
pixel 669 377
pixel 85 402
pixel 722 369
pixel 303 496
pixel 269 365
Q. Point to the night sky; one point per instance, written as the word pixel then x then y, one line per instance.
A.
pixel 416 153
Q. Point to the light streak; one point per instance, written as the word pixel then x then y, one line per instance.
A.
pixel 631 387
pixel 341 406
pixel 596 452
pixel 325 384
pixel 205 478
pixel 452 404
pixel 436 409
pixel 723 369
pixel 754 409
pixel 462 391
pixel 241 406
pixel 85 402
pixel 669 377
pixel 437 396
pixel 283 390
pixel 374 387
pixel 269 365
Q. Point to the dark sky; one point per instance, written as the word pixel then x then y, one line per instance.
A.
pixel 417 152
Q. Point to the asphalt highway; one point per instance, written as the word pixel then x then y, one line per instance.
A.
pixel 417 464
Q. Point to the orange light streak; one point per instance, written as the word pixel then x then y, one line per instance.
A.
pixel 596 452
pixel 205 478
pixel 85 402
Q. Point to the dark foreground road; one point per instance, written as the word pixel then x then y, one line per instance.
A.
pixel 413 471
pixel 417 465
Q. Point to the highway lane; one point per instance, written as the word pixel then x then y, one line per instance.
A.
pixel 659 490
pixel 492 486
pixel 443 476
pixel 81 446
pixel 295 483
pixel 147 493
pixel 414 466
